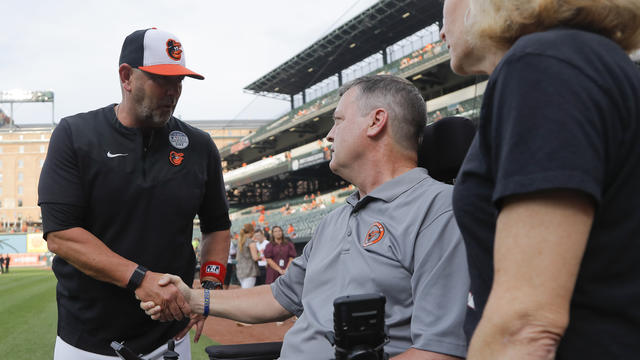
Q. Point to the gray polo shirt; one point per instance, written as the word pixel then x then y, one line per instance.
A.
pixel 400 240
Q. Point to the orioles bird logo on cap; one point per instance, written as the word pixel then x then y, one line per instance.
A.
pixel 174 49
pixel 176 158
pixel 375 234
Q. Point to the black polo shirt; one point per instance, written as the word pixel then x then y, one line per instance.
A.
pixel 138 191
pixel 562 111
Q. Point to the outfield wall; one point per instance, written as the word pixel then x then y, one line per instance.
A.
pixel 24 249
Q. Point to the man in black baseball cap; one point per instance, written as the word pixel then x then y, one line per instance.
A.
pixel 119 190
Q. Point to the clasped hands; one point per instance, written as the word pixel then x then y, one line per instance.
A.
pixel 168 311
pixel 168 298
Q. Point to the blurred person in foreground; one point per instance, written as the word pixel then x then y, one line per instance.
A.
pixel 279 253
pixel 547 199
pixel 119 190
pixel 396 235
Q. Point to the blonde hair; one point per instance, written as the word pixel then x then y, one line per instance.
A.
pixel 246 233
pixel 499 23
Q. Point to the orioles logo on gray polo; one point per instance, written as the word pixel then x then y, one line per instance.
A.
pixel 174 49
pixel 375 234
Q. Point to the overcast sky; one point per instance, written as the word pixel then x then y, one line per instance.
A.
pixel 72 47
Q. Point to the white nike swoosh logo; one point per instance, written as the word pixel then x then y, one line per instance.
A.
pixel 109 154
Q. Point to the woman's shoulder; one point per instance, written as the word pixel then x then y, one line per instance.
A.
pixel 570 45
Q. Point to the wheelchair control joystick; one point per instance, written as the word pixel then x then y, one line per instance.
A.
pixel 359 329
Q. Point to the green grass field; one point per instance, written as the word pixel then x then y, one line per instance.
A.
pixel 28 316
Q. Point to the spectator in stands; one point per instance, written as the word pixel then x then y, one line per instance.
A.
pixel 195 243
pixel 231 261
pixel 261 244
pixel 547 198
pixel 279 253
pixel 267 232
pixel 119 190
pixel 291 231
pixel 247 257
pixel 396 235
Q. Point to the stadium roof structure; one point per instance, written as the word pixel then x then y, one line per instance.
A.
pixel 228 124
pixel 373 30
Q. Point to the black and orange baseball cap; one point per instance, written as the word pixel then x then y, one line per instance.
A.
pixel 156 52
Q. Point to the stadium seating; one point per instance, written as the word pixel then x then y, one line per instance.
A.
pixel 442 151
pixel 468 108
pixel 430 54
pixel 303 221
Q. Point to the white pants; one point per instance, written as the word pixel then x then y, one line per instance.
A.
pixel 247 283
pixel 64 351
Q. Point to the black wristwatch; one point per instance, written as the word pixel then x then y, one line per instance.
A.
pixel 136 278
pixel 211 285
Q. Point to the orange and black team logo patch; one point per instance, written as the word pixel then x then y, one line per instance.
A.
pixel 375 234
pixel 176 158
pixel 174 49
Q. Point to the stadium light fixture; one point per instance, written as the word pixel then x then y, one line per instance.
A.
pixel 419 76
pixel 19 95
pixel 292 129
pixel 316 118
pixel 310 69
pixel 27 96
pixel 406 15
pixel 352 45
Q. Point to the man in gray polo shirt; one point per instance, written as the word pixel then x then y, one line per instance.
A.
pixel 396 235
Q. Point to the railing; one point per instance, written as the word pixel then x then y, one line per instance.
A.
pixel 469 108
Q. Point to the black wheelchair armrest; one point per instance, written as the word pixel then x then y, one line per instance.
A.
pixel 255 351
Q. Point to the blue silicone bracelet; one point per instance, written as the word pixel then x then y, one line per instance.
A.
pixel 206 302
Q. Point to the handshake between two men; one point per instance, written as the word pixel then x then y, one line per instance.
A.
pixel 189 308
pixel 254 305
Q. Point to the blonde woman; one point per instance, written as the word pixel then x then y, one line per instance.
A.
pixel 547 199
pixel 246 257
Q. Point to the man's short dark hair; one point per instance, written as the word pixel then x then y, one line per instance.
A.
pixel 407 108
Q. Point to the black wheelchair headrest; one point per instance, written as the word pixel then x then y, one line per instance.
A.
pixel 444 146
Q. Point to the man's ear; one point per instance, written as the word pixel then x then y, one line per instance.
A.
pixel 378 122
pixel 126 73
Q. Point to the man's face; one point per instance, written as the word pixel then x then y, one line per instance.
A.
pixel 348 134
pixel 155 97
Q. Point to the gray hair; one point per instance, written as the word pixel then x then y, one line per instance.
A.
pixel 402 100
